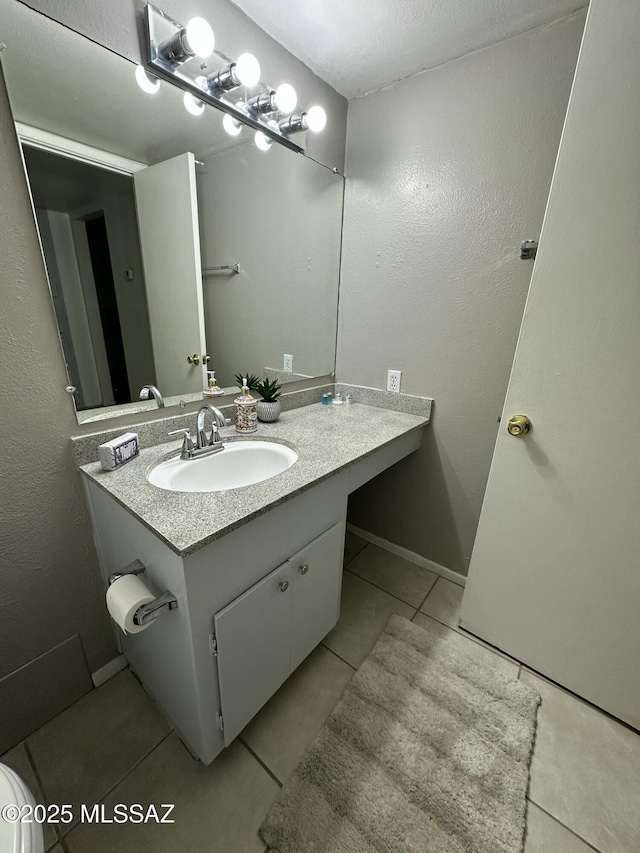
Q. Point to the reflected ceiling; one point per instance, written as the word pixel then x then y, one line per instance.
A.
pixel 145 128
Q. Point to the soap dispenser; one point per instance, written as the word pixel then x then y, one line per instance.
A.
pixel 212 389
pixel 246 411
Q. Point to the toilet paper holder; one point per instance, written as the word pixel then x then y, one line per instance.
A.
pixel 147 612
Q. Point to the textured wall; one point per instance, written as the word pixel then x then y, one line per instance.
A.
pixel 447 172
pixel 117 24
pixel 49 577
pixel 283 224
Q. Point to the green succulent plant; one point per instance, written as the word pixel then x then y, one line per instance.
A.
pixel 252 380
pixel 269 390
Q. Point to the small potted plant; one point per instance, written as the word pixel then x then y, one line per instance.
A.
pixel 269 407
pixel 252 380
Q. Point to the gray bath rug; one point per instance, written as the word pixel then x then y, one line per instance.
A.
pixel 428 751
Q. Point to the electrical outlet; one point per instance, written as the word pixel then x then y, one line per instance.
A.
pixel 287 363
pixel 394 377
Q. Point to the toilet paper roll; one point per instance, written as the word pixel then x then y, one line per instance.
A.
pixel 124 597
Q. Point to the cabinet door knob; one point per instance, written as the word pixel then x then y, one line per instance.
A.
pixel 303 569
pixel 284 586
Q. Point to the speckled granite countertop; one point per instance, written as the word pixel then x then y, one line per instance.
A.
pixel 327 439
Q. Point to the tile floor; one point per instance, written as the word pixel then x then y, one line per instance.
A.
pixel 114 747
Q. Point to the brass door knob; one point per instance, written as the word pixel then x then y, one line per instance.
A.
pixel 518 425
pixel 193 359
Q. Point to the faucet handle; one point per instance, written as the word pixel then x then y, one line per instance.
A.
pixel 187 442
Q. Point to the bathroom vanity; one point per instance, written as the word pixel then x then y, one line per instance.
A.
pixel 256 571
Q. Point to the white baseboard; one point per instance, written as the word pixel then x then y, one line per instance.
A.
pixel 408 555
pixel 109 670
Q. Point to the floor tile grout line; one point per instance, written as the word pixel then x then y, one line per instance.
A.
pixel 354 668
pixel 564 826
pixel 102 797
pixel 439 621
pixel 264 766
pixel 41 785
pixel 345 563
pixel 382 589
pixel 431 588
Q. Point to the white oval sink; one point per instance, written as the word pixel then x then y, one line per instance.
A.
pixel 240 463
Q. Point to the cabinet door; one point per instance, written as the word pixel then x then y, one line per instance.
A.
pixel 253 649
pixel 316 574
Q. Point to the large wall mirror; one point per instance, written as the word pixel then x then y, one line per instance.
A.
pixel 172 248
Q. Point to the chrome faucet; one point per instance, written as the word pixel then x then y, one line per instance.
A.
pixel 217 420
pixel 150 390
pixel 204 444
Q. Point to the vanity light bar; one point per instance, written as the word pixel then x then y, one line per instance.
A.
pixel 171 46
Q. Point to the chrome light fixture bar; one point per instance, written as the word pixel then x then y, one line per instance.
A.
pixel 172 55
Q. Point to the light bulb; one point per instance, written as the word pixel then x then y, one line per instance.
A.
pixel 147 82
pixel 286 98
pixel 263 142
pixel 192 105
pixel 247 70
pixel 316 119
pixel 232 125
pixel 200 37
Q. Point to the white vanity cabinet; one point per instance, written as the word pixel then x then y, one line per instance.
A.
pixel 264 634
pixel 236 635
pixel 252 603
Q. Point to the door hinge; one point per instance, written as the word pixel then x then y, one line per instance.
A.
pixel 213 646
pixel 528 249
pixel 220 721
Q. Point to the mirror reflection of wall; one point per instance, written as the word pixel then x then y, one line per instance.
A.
pixel 276 213
pixel 278 217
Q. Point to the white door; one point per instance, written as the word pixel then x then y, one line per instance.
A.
pixel 555 571
pixel 167 207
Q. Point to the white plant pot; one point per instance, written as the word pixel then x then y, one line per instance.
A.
pixel 269 412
